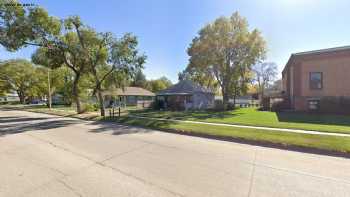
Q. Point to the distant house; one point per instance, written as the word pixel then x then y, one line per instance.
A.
pixel 245 100
pixel 10 97
pixel 57 99
pixel 128 96
pixel 185 95
pixel 318 80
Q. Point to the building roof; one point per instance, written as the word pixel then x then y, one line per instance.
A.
pixel 334 49
pixel 128 91
pixel 316 52
pixel 184 87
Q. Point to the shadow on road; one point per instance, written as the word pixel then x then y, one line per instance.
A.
pixel 18 119
pixel 117 129
pixel 12 125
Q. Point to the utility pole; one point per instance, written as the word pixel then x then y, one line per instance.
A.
pixel 49 88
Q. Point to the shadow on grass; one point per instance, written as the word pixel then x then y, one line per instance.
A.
pixel 313 118
pixel 185 115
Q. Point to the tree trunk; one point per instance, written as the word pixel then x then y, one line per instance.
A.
pixel 99 92
pixel 21 97
pixel 75 93
pixel 225 98
pixel 234 99
pixel 101 101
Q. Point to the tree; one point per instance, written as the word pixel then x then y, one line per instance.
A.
pixel 158 84
pixel 57 40
pixel 67 50
pixel 20 76
pixel 139 80
pixel 276 86
pixel 225 50
pixel 265 74
pixel 200 76
pixel 22 26
pixel 71 43
pixel 123 58
pixel 56 78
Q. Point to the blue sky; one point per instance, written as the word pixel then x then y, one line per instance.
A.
pixel 165 28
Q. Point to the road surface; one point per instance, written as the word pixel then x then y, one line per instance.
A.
pixel 44 155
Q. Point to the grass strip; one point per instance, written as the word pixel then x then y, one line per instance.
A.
pixel 331 143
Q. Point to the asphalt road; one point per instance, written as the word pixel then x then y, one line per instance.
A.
pixel 43 155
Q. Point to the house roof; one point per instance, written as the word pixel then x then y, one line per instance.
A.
pixel 128 91
pixel 183 88
pixel 315 52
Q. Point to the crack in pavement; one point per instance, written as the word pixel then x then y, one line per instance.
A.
pixel 61 147
pixel 101 163
pixel 304 173
pixel 141 180
pixel 253 172
pixel 70 188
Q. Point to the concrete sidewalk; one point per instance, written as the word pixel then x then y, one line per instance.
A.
pixel 248 127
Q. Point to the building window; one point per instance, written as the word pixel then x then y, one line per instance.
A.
pixel 314 104
pixel 316 80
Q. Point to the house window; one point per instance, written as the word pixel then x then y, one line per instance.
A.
pixel 314 104
pixel 189 98
pixel 316 80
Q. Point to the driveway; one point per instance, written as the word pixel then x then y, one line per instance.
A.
pixel 44 155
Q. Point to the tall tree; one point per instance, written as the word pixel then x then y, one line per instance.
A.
pixel 68 42
pixel 57 40
pixel 67 50
pixel 226 49
pixel 114 57
pixel 265 74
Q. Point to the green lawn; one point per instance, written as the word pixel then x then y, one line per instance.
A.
pixel 333 143
pixel 241 116
pixel 254 117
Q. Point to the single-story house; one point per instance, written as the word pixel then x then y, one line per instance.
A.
pixel 318 80
pixel 128 96
pixel 185 95
pixel 10 97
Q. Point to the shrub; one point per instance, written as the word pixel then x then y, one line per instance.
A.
pixel 339 105
pixel 265 104
pixel 230 106
pixel 278 106
pixel 88 107
pixel 96 106
pixel 218 105
pixel 157 104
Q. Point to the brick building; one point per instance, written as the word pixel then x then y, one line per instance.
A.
pixel 318 80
